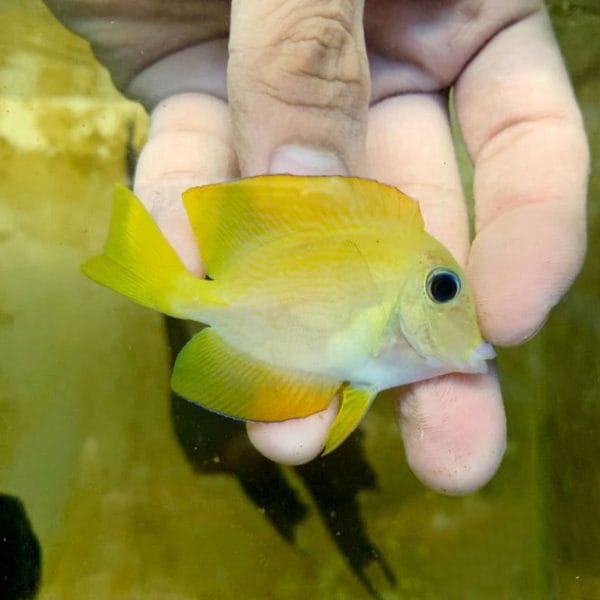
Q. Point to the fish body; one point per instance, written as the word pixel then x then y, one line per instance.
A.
pixel 318 285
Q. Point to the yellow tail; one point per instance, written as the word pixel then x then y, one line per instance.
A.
pixel 139 263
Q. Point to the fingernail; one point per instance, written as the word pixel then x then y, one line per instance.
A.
pixel 304 160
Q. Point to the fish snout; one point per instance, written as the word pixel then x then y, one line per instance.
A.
pixel 477 361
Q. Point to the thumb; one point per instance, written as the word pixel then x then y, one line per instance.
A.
pixel 298 86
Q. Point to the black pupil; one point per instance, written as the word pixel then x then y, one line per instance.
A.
pixel 443 286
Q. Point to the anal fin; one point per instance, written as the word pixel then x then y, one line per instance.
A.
pixel 214 374
pixel 355 404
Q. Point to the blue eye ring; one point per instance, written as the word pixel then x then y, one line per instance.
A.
pixel 443 285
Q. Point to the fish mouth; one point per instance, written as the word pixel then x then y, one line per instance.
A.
pixel 478 360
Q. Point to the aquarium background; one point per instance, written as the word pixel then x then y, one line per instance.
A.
pixel 111 488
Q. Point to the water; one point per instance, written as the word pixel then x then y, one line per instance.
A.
pixel 133 494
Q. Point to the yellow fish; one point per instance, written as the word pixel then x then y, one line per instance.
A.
pixel 317 286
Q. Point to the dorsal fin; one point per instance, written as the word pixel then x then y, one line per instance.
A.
pixel 228 218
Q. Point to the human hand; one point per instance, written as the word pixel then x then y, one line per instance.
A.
pixel 295 95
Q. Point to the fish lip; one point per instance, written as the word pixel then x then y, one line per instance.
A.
pixel 479 357
pixel 485 351
pixel 477 362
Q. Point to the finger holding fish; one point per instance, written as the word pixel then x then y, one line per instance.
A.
pixel 524 132
pixel 295 441
pixel 454 430
pixel 453 426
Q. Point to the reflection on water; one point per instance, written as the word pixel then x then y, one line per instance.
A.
pixel 132 493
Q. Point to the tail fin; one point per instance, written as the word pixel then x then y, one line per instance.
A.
pixel 139 263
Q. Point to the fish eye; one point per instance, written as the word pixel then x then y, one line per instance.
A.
pixel 442 285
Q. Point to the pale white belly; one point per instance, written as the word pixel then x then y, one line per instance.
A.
pixel 397 364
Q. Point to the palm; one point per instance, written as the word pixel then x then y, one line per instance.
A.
pixel 423 44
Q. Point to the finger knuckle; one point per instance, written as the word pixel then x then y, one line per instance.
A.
pixel 315 59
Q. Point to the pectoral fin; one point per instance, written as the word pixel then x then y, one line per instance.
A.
pixel 214 374
pixel 355 404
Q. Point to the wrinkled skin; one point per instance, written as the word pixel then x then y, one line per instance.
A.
pixel 314 87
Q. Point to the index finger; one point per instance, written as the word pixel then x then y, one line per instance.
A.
pixel 524 133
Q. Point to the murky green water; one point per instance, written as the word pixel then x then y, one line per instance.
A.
pixel 133 494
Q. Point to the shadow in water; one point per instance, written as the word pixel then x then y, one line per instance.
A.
pixel 334 482
pixel 216 444
pixel 20 553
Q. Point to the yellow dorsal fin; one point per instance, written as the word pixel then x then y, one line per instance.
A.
pixel 214 374
pixel 355 404
pixel 229 218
